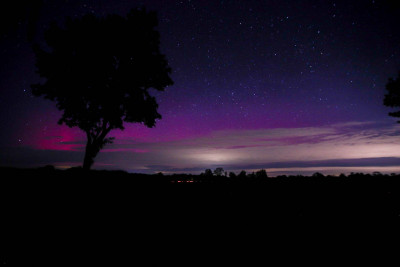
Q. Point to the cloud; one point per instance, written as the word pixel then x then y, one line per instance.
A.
pixel 344 145
pixel 263 147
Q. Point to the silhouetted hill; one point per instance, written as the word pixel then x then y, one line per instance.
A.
pixel 55 217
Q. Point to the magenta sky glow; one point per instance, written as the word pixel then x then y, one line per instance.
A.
pixel 289 86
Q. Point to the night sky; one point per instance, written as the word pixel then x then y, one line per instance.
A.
pixel 293 87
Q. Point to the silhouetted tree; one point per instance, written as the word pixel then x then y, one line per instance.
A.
pixel 99 72
pixel 251 175
pixel 242 174
pixel 208 173
pixel 219 171
pixel 318 175
pixel 261 174
pixel 392 98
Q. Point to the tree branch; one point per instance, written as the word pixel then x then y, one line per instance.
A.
pixel 89 137
pixel 105 132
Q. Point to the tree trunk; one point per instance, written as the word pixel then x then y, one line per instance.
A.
pixel 88 160
pixel 92 149
pixel 94 144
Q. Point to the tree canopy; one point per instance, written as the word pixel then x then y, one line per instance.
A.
pixel 99 71
pixel 392 98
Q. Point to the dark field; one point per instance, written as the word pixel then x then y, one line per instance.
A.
pixel 56 217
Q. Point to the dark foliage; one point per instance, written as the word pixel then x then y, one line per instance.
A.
pixel 99 72
pixel 208 173
pixel 261 174
pixel 242 174
pixel 219 171
pixel 392 98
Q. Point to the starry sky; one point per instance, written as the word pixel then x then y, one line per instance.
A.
pixel 293 87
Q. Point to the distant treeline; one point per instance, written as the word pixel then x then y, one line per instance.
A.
pixel 208 176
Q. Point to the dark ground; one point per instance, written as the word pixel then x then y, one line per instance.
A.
pixel 72 218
